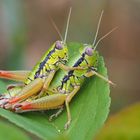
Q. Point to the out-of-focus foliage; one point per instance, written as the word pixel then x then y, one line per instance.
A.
pixel 124 125
pixel 14 23
pixel 10 132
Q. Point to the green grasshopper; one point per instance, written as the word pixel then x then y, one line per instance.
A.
pixel 42 74
pixel 64 87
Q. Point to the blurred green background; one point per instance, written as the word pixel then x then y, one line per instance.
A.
pixel 26 33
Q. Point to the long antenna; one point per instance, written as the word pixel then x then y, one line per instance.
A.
pixel 104 37
pixel 67 26
pixel 56 28
pixel 98 26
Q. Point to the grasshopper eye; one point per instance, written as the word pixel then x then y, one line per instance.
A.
pixel 59 45
pixel 89 51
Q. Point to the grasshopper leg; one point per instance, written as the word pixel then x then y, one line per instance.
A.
pixel 31 89
pixel 92 72
pixel 14 75
pixel 12 91
pixel 48 80
pixel 53 101
pixel 47 83
pixel 4 98
pixel 59 111
pixel 67 68
pixel 67 101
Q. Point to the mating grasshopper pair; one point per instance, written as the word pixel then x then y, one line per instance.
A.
pixel 39 91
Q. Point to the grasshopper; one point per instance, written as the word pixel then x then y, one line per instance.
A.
pixel 64 87
pixel 39 79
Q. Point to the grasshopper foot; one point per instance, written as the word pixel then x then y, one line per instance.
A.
pixel 52 116
pixel 56 114
pixel 67 124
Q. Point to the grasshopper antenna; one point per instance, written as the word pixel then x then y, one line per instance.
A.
pixel 98 26
pixel 56 28
pixel 67 26
pixel 104 37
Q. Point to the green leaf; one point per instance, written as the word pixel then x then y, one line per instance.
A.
pixel 89 109
pixel 124 125
pixel 10 132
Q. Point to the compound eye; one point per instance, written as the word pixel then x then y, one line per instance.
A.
pixel 58 45
pixel 89 51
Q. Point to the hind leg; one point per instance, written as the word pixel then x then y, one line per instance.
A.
pixel 14 75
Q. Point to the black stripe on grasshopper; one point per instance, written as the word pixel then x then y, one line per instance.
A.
pixel 44 62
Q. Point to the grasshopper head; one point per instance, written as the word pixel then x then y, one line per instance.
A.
pixel 91 55
pixel 61 50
